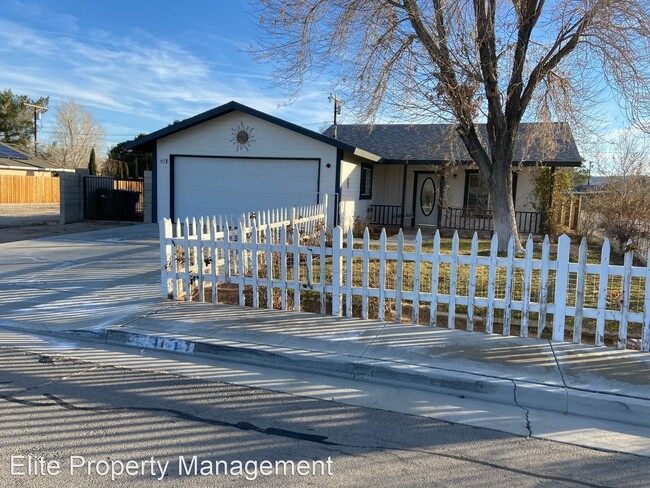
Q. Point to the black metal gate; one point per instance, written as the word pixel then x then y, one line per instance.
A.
pixel 106 198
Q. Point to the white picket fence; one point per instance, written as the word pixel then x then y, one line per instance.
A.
pixel 264 258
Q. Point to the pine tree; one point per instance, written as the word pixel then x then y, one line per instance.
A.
pixel 92 165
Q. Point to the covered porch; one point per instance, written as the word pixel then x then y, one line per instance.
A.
pixel 446 198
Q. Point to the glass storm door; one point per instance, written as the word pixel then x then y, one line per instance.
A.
pixel 426 199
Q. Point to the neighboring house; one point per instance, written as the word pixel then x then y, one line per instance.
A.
pixel 25 178
pixel 233 159
pixel 15 162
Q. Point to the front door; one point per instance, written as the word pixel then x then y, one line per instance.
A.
pixel 426 191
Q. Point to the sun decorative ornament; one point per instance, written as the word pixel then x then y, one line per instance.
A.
pixel 242 136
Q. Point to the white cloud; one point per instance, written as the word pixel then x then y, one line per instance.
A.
pixel 136 81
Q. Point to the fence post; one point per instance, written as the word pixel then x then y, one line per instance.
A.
pixel 175 281
pixel 256 298
pixel 471 290
pixel 645 334
pixel 528 272
pixel 625 302
pixel 296 267
pixel 283 267
pixel 200 259
pixel 186 248
pixel 292 223
pixel 325 209
pixel 214 256
pixel 453 269
pixel 415 315
pixel 322 272
pixel 435 263
pixel 507 303
pixel 602 293
pixel 543 286
pixel 580 291
pixel 349 266
pixel 240 263
pixel 399 276
pixel 226 252
pixel 165 254
pixel 269 265
pixel 494 246
pixel 561 281
pixel 365 262
pixel 337 245
pixel 382 272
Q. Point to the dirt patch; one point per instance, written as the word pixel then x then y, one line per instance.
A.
pixel 49 229
pixel 23 214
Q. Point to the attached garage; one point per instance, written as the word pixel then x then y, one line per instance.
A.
pixel 235 159
pixel 231 186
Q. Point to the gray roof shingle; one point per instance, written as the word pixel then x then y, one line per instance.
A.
pixel 439 143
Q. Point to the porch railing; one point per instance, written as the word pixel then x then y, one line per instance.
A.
pixel 481 220
pixel 385 214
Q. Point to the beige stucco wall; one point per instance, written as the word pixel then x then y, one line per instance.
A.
pixel 213 138
pixel 350 205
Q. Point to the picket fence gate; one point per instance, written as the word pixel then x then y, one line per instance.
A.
pixel 265 254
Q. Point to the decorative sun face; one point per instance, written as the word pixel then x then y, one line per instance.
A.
pixel 242 136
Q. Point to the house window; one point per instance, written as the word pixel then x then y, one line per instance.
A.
pixel 476 194
pixel 366 182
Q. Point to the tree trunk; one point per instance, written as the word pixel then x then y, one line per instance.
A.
pixel 503 208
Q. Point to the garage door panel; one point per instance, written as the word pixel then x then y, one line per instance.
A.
pixel 212 186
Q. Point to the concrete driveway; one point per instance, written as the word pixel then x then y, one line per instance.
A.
pixel 85 281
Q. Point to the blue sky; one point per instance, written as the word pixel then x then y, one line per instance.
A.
pixel 139 65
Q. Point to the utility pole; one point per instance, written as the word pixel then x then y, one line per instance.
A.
pixel 337 111
pixel 38 111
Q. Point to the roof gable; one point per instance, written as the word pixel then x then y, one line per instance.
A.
pixel 147 142
pixel 438 143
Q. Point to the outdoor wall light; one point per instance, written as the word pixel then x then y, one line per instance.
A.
pixel 328 165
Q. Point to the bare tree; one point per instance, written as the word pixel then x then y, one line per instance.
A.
pixel 466 61
pixel 75 134
pixel 622 205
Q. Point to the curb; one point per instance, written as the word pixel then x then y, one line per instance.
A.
pixel 604 406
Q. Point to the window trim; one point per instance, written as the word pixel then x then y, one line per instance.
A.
pixel 363 177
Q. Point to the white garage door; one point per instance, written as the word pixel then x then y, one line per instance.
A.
pixel 221 186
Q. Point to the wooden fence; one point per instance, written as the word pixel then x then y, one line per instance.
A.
pixel 587 301
pixel 29 189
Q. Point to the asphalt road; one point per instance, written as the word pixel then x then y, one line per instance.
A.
pixel 97 419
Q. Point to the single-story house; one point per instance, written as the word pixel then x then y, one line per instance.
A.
pixel 234 159
pixel 25 178
pixel 16 162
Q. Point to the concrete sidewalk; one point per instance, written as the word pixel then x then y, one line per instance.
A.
pixel 104 286
pixel 567 378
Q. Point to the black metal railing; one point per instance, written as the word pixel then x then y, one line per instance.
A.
pixel 481 220
pixel 385 214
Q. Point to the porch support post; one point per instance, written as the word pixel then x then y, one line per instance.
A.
pixel 441 196
pixel 401 223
